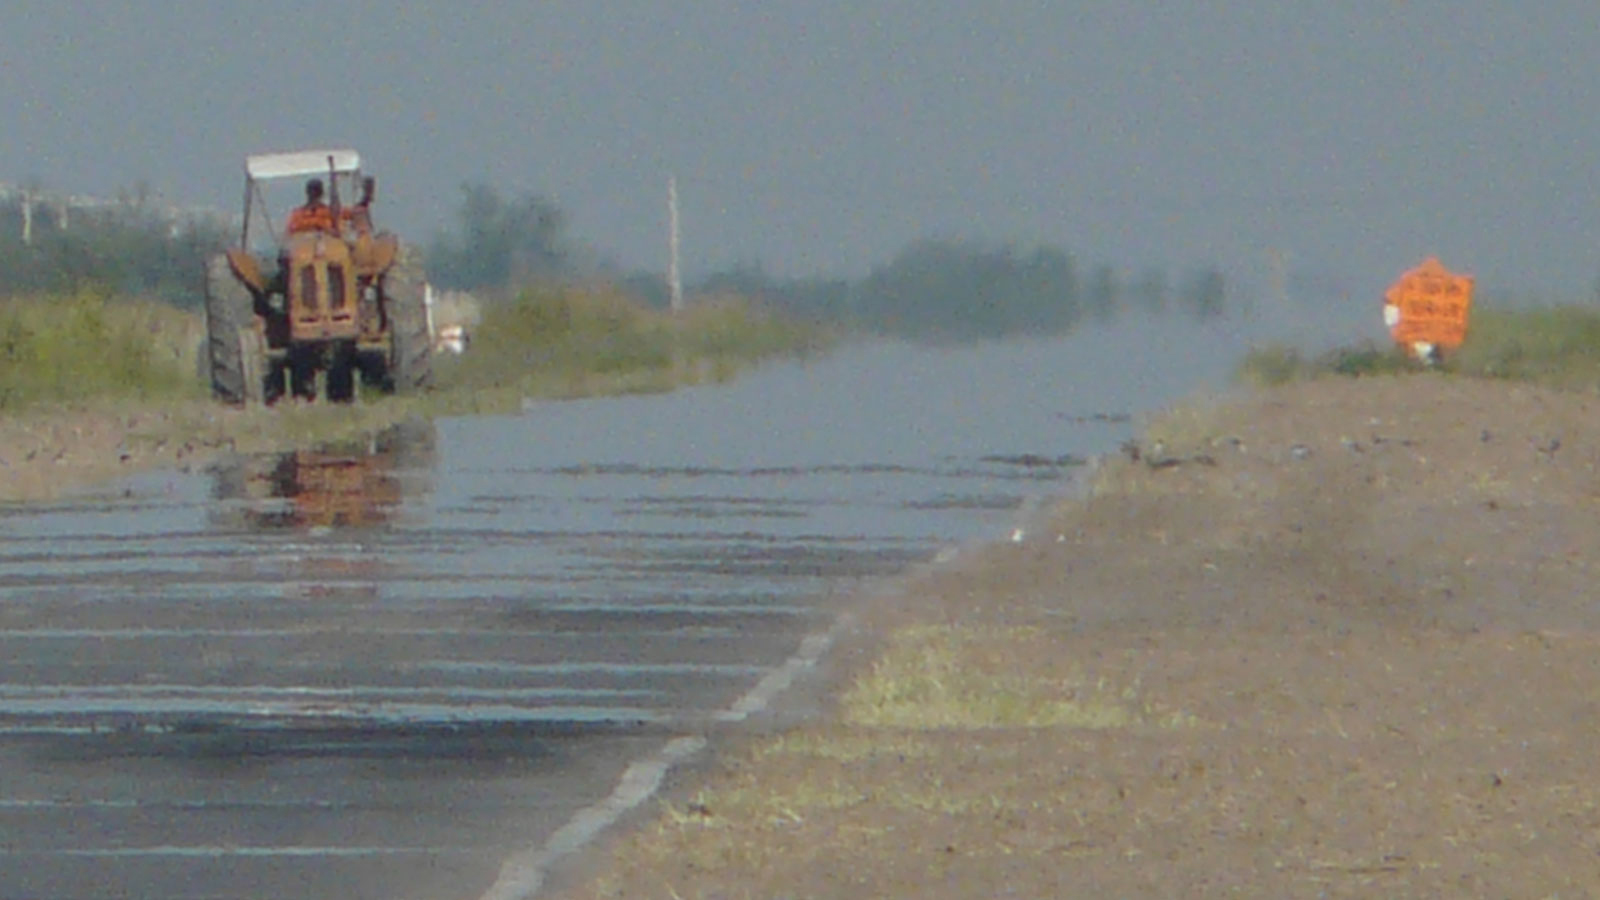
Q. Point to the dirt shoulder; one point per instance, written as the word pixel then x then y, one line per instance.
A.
pixel 50 452
pixel 1335 639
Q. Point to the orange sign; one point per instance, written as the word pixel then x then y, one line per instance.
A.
pixel 1427 308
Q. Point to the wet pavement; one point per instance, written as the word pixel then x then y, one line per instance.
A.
pixel 381 671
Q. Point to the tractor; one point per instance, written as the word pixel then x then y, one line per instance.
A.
pixel 315 310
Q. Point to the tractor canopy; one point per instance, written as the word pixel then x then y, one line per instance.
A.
pixel 301 164
pixel 339 169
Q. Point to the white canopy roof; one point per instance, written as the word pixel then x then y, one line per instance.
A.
pixel 300 163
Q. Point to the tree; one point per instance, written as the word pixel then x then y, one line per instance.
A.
pixel 130 246
pixel 500 243
pixel 1205 294
pixel 949 290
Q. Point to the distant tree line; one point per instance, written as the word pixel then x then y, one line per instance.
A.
pixel 500 241
pixel 933 290
pixel 951 290
pixel 126 246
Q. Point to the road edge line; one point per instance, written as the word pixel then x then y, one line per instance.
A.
pixel 523 874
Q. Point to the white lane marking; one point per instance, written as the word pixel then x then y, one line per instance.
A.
pixel 779 680
pixel 523 874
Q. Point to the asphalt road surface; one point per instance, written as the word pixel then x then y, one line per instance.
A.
pixel 390 671
pixel 384 673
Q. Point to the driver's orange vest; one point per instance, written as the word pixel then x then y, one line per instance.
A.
pixel 310 218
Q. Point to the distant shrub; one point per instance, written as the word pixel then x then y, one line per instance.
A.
pixel 1366 359
pixel 1274 365
pixel 1271 366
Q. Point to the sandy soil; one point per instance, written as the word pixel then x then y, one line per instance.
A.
pixel 1333 640
pixel 51 452
pixel 46 454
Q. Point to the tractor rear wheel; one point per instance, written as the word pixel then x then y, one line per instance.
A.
pixel 234 345
pixel 410 363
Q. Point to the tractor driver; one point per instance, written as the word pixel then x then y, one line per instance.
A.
pixel 359 216
pixel 314 215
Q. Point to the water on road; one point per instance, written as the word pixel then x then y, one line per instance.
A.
pixel 381 671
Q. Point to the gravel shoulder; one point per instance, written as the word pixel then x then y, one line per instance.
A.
pixel 1336 639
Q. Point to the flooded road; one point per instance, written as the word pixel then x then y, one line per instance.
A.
pixel 382 671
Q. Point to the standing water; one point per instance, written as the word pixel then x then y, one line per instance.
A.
pixel 381 673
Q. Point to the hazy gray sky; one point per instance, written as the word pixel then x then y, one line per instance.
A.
pixel 1356 136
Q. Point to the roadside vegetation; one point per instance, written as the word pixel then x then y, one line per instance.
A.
pixel 93 386
pixel 100 319
pixel 100 307
pixel 553 319
pixel 553 341
pixel 1278 364
pixel 1555 346
pixel 568 341
pixel 85 346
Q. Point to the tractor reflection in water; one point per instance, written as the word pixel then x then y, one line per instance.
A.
pixel 334 487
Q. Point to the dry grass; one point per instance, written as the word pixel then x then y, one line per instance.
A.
pixel 1357 775
pixel 946 677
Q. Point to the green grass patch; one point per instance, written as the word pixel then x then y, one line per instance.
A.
pixel 564 340
pixel 85 347
pixel 92 349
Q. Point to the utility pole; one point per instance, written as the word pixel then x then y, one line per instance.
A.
pixel 674 281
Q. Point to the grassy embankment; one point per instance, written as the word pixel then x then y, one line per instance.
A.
pixel 552 342
pixel 92 387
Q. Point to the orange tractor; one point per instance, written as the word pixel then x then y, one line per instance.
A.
pixel 322 306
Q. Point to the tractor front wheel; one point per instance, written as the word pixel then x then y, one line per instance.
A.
pixel 235 348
